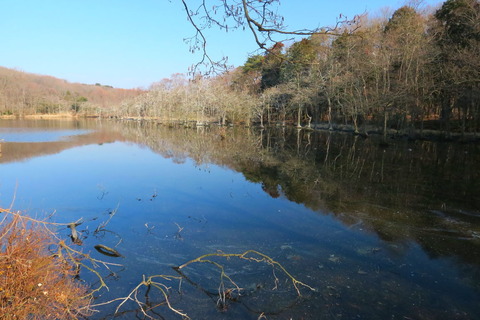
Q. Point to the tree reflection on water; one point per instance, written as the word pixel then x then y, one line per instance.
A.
pixel 428 192
pixel 397 234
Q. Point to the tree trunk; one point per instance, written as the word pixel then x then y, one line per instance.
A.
pixel 330 126
pixel 309 123
pixel 299 116
pixel 385 119
pixel 355 123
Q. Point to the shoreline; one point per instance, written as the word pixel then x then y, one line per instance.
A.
pixel 367 131
pixel 41 116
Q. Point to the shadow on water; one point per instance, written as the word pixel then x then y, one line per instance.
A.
pixel 381 231
pixel 407 191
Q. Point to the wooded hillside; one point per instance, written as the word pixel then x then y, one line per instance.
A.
pixel 24 93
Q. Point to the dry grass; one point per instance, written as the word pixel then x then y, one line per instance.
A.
pixel 34 282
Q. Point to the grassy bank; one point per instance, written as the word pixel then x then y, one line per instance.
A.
pixel 37 282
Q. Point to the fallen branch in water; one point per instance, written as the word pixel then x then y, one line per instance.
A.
pixel 144 306
pixel 245 255
pixel 226 293
pixel 150 282
pixel 104 224
pixel 75 236
pixel 107 251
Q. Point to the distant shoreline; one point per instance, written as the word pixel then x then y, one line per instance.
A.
pixel 42 116
pixel 415 134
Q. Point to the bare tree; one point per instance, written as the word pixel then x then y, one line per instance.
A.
pixel 261 18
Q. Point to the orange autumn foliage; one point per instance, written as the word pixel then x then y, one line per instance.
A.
pixel 35 283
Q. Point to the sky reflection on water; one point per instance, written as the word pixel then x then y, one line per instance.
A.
pixel 22 135
pixel 171 210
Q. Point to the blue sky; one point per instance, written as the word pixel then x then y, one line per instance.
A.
pixel 133 43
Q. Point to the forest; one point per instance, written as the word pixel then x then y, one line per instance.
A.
pixel 408 73
pixel 24 93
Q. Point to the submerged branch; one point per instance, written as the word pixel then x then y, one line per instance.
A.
pixel 150 282
pixel 261 258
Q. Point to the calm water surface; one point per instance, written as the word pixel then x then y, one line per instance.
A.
pixel 379 233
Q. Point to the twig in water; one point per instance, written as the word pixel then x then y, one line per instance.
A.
pixel 75 235
pixel 149 229
pixel 154 195
pixel 149 283
pixel 104 224
pixel 177 234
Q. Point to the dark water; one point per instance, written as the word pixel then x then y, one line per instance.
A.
pixel 379 232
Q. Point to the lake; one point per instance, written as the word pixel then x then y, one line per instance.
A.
pixel 373 231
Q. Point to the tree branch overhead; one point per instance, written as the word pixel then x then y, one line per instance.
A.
pixel 261 17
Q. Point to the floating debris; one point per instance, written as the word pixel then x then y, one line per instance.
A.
pixel 75 236
pixel 294 257
pixel 154 195
pixel 363 251
pixel 107 251
pixel 334 259
pixel 367 250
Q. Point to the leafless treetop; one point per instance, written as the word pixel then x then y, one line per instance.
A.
pixel 259 16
